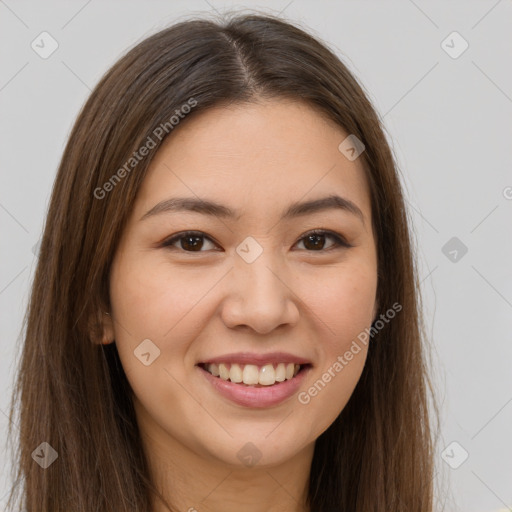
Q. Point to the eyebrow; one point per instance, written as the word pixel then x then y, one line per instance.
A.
pixel 208 207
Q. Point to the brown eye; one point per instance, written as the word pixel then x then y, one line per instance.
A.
pixel 315 240
pixel 194 241
pixel 190 241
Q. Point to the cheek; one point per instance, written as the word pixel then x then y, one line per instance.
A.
pixel 342 303
pixel 342 300
pixel 151 299
pixel 149 302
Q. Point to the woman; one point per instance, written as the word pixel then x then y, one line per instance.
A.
pixel 225 313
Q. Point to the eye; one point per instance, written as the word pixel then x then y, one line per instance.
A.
pixel 192 241
pixel 315 240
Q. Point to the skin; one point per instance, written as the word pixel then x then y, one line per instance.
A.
pixel 256 158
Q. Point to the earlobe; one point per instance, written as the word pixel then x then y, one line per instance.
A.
pixel 101 330
pixel 108 329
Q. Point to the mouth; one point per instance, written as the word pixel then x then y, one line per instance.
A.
pixel 255 375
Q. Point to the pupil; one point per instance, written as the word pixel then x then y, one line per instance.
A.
pixel 193 245
pixel 316 245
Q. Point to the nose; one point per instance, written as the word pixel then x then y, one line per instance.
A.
pixel 260 297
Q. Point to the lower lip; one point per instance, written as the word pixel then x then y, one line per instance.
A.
pixel 248 396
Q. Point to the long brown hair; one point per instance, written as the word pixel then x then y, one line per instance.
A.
pixel 73 394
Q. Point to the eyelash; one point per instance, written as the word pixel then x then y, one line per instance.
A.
pixel 340 242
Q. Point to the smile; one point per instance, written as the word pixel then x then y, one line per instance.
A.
pixel 253 375
pixel 246 388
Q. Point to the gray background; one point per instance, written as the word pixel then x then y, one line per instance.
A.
pixel 449 122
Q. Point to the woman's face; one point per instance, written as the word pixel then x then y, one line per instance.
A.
pixel 251 292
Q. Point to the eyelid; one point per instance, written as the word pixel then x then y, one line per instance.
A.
pixel 340 240
pixel 167 243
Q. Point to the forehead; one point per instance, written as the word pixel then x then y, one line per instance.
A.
pixel 255 158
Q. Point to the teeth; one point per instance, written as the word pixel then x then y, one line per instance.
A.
pixel 214 369
pixel 281 372
pixel 252 375
pixel 223 371
pixel 235 373
pixel 267 375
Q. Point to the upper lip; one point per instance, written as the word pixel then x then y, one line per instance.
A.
pixel 257 359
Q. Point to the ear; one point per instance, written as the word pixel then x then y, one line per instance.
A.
pixel 102 328
pixel 108 329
